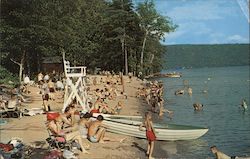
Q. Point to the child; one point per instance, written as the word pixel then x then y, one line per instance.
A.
pixel 150 133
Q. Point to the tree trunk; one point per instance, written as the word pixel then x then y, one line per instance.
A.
pixel 20 73
pixel 38 62
pixel 28 65
pixel 21 66
pixel 125 54
pixel 143 47
pixel 126 60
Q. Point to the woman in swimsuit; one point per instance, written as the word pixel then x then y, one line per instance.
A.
pixel 150 133
pixel 65 135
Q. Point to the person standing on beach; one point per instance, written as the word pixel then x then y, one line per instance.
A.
pixel 40 79
pixel 150 133
pixel 45 96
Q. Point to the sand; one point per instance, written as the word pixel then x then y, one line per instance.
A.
pixel 32 130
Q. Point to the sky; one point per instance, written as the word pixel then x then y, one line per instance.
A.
pixel 206 21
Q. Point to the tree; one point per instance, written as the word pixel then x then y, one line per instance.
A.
pixel 153 24
pixel 121 21
pixel 97 33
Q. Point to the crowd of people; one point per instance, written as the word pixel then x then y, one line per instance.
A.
pixel 104 89
pixel 152 92
pixel 76 125
pixel 83 127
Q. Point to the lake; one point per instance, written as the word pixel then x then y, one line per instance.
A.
pixel 229 125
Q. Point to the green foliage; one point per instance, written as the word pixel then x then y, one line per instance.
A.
pixel 152 22
pixel 153 26
pixel 95 33
pixel 6 77
pixel 207 55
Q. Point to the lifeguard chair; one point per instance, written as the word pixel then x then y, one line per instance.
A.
pixel 75 85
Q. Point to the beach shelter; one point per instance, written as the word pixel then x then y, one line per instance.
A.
pixel 75 87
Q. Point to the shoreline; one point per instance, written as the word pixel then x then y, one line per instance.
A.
pixel 32 130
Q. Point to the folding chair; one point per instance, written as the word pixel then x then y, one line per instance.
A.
pixel 57 142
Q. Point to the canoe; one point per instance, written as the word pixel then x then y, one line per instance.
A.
pixel 165 132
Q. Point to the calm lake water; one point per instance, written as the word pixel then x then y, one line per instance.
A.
pixel 229 126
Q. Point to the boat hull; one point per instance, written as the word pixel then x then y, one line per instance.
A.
pixel 169 132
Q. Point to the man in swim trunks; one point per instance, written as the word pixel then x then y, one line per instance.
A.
pixel 97 130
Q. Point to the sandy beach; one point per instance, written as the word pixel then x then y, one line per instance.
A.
pixel 33 132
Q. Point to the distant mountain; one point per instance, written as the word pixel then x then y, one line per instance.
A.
pixel 207 55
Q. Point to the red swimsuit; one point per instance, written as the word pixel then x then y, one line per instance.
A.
pixel 150 135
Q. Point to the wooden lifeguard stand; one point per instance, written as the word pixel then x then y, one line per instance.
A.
pixel 75 87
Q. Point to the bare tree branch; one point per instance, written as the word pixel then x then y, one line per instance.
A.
pixel 16 62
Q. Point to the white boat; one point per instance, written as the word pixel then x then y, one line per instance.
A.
pixel 110 116
pixel 166 132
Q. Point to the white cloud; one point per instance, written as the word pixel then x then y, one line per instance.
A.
pixel 237 39
pixel 204 21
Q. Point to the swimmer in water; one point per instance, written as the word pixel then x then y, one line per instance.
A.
pixel 244 104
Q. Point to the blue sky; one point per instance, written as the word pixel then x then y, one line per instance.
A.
pixel 206 21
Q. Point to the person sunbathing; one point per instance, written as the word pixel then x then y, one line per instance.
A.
pixel 2 103
pixel 98 93
pixel 84 124
pixel 104 108
pixel 65 135
pixel 68 117
pixel 13 102
pixel 100 107
pixel 97 130
pixel 117 109
pixel 96 106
